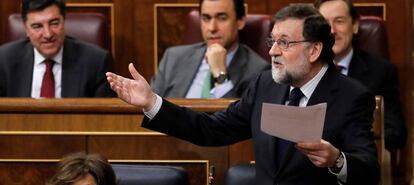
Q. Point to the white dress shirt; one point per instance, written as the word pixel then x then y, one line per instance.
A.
pixel 39 69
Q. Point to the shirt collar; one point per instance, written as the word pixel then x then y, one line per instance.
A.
pixel 38 58
pixel 230 55
pixel 346 60
pixel 310 86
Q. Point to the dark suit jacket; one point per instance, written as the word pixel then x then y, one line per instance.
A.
pixel 348 124
pixel 380 76
pixel 180 64
pixel 83 69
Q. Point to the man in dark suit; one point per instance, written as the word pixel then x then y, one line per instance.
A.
pixel 76 69
pixel 301 64
pixel 219 66
pixel 379 75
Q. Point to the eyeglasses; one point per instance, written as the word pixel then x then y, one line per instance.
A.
pixel 282 43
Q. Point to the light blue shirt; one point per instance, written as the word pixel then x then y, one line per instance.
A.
pixel 216 92
pixel 345 62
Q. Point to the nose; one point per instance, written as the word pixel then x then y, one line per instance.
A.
pixel 47 32
pixel 333 28
pixel 275 50
pixel 212 25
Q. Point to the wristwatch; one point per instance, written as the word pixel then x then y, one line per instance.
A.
pixel 221 78
pixel 339 163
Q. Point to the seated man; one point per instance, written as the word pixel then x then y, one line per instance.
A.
pixel 378 75
pixel 83 169
pixel 218 67
pixel 48 64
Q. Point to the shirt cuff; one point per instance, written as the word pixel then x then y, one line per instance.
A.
pixel 154 110
pixel 222 89
pixel 343 174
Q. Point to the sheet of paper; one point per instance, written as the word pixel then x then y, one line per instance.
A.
pixel 293 123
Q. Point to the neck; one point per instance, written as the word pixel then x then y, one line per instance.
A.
pixel 314 70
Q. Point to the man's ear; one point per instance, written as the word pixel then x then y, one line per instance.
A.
pixel 355 26
pixel 26 29
pixel 241 23
pixel 315 51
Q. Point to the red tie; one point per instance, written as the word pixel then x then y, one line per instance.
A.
pixel 48 82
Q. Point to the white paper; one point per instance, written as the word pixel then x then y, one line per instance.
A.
pixel 293 123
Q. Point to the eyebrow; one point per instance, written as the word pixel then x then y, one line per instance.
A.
pixel 282 36
pixel 50 20
pixel 215 15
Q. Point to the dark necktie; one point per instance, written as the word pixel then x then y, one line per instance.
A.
pixel 339 68
pixel 48 83
pixel 294 99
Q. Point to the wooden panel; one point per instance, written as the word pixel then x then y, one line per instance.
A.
pixel 34 130
pixel 25 173
pixel 169 26
pixel 39 147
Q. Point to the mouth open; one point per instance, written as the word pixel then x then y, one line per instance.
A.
pixel 277 64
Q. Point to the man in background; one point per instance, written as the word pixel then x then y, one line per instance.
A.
pixel 379 75
pixel 218 67
pixel 49 64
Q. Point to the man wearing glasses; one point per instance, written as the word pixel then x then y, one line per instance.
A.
pixel 302 74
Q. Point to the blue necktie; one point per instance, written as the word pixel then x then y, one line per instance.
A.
pixel 294 99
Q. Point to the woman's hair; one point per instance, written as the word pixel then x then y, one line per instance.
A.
pixel 75 166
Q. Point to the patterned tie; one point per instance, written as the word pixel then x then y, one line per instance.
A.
pixel 205 91
pixel 48 83
pixel 294 99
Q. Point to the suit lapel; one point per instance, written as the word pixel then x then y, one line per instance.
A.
pixel 71 70
pixel 357 68
pixel 24 72
pixel 190 65
pixel 238 62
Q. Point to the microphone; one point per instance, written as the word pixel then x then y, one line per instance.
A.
pixel 211 174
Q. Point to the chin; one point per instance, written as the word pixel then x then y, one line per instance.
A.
pixel 49 54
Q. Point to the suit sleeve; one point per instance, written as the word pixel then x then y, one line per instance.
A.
pixel 221 128
pixel 358 144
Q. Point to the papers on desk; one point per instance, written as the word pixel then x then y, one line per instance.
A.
pixel 293 123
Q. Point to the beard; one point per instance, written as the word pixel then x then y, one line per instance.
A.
pixel 292 73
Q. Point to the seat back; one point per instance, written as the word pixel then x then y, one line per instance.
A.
pixel 89 27
pixel 150 175
pixel 372 36
pixel 241 174
pixel 254 34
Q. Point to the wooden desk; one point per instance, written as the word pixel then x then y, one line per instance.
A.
pixel 35 134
